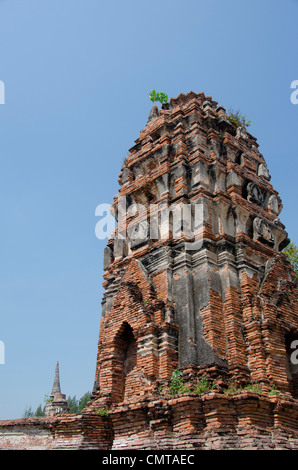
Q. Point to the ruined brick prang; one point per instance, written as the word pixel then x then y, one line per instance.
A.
pixel 213 295
pixel 210 293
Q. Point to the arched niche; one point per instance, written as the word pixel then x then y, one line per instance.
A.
pixel 125 357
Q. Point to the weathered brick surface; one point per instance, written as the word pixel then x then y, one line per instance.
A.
pixel 212 421
pixel 243 421
pixel 26 434
pixel 65 432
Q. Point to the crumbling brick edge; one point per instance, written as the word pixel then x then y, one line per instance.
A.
pixel 213 421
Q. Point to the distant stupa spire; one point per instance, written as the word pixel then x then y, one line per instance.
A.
pixel 57 404
pixel 56 385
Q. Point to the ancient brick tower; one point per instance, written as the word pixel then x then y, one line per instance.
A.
pixel 194 279
pixel 208 291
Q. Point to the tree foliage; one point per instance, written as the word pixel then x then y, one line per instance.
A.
pixel 239 119
pixel 291 251
pixel 74 406
pixel 28 413
pixel 161 97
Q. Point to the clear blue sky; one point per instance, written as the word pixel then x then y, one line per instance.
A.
pixel 77 75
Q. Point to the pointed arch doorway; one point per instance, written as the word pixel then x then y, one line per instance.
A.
pixel 125 371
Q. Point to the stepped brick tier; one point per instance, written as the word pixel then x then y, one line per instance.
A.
pixel 195 280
